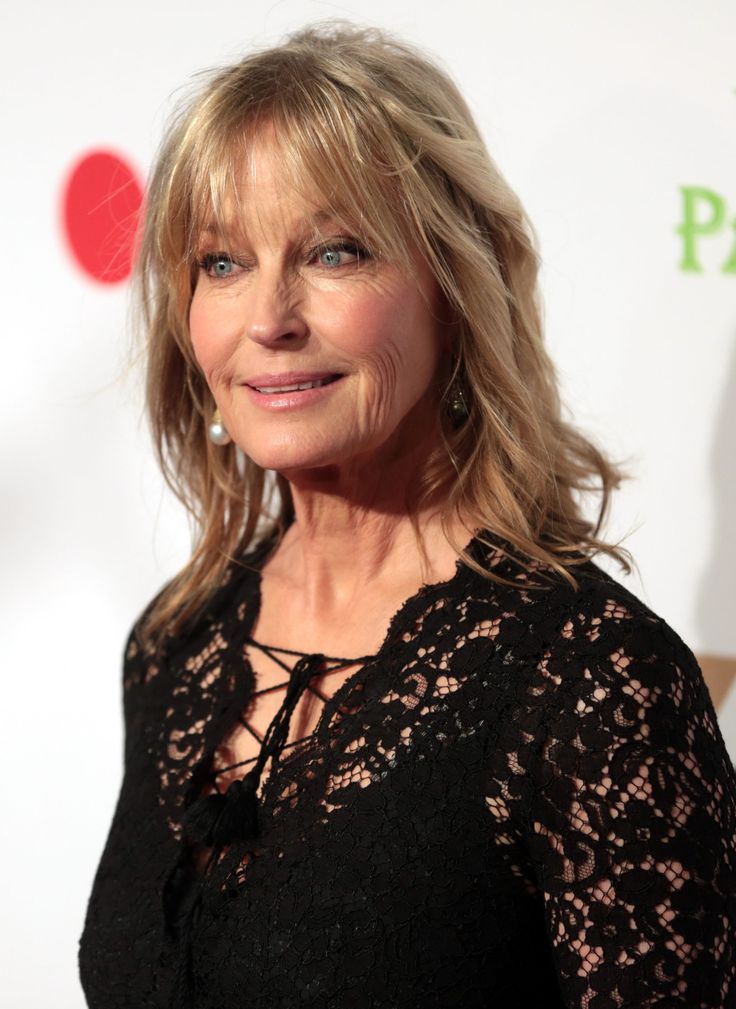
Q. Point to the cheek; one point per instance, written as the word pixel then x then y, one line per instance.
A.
pixel 399 340
pixel 372 327
pixel 207 335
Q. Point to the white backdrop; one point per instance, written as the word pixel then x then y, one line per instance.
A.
pixel 601 115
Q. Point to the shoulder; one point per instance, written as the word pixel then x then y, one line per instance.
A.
pixel 605 623
pixel 573 647
pixel 602 615
pixel 601 685
pixel 600 670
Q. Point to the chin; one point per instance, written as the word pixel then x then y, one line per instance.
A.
pixel 293 456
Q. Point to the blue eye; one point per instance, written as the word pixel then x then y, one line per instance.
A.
pixel 334 257
pixel 336 250
pixel 217 264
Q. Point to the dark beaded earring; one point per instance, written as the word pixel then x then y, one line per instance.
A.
pixel 457 406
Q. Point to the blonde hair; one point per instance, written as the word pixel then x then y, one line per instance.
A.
pixel 368 122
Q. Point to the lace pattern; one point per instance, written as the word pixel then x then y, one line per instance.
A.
pixel 523 799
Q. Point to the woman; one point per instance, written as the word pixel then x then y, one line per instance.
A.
pixel 393 739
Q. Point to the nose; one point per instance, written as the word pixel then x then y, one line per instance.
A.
pixel 273 314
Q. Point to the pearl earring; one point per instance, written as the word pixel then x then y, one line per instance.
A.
pixel 216 430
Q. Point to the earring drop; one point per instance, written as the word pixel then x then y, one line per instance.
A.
pixel 216 430
pixel 457 406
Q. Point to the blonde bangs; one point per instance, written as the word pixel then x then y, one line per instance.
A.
pixel 341 173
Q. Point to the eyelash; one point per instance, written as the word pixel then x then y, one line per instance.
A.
pixel 208 260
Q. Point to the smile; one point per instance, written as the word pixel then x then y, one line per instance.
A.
pixel 299 387
pixel 289 397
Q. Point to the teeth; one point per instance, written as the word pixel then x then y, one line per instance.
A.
pixel 294 388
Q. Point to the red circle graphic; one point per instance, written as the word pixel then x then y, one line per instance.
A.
pixel 101 205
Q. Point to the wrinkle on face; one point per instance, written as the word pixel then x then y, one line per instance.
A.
pixel 379 323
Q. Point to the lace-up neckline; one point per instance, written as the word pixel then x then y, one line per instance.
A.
pixel 310 665
pixel 320 659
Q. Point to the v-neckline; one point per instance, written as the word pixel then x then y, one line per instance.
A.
pixel 248 595
pixel 426 590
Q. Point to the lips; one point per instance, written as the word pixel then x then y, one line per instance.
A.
pixel 286 379
pixel 316 383
pixel 282 396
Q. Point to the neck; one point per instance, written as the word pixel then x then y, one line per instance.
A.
pixel 352 533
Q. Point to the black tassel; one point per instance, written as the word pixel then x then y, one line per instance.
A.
pixel 239 818
pixel 201 819
pixel 222 818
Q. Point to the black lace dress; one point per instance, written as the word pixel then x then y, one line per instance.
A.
pixel 522 801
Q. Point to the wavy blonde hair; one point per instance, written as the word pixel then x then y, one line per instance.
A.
pixel 383 134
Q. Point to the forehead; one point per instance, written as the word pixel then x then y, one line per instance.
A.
pixel 262 191
pixel 262 171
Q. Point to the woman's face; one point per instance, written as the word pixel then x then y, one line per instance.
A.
pixel 275 305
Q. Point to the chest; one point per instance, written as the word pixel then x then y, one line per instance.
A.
pixel 240 747
pixel 281 620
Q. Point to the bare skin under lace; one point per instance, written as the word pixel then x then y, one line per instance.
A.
pixel 523 799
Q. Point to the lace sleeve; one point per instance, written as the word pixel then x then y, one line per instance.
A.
pixel 630 820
